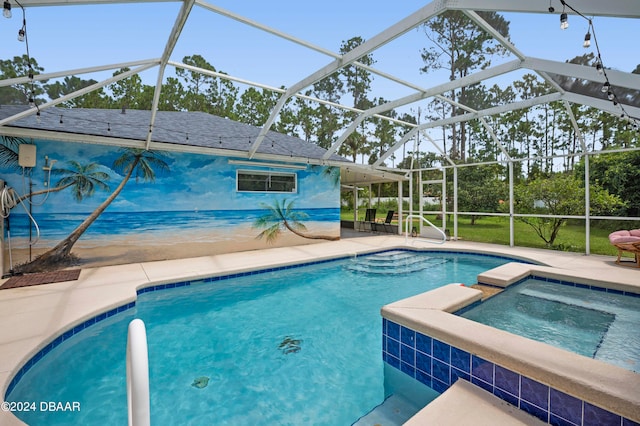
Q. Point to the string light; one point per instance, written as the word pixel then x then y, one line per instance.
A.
pixel 599 64
pixel 170 130
pixel 599 68
pixel 7 9
pixel 564 21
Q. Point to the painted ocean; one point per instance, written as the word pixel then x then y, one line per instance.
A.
pixel 56 226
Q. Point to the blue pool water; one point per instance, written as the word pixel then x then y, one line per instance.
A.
pixel 292 346
pixel 598 324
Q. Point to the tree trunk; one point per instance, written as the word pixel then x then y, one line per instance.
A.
pixel 311 237
pixel 60 255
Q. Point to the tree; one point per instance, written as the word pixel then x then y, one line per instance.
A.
pixel 282 216
pixel 255 106
pixel 559 195
pixel 619 174
pixel 206 93
pixel 70 84
pixel 384 131
pixel 172 95
pixel 133 162
pixel 460 47
pixel 24 93
pixel 357 82
pixel 480 189
pixel 126 93
pixel 327 118
pixel 355 144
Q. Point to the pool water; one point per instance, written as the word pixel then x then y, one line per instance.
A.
pixel 597 324
pixel 291 346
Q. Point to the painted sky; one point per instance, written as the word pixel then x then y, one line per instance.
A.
pixel 194 182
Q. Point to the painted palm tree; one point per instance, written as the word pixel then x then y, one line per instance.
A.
pixel 133 162
pixel 332 174
pixel 82 179
pixel 9 150
pixel 9 147
pixel 282 217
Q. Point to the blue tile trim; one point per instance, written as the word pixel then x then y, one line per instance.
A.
pixel 439 364
pixel 61 338
pixel 317 262
pixel 570 284
pixel 237 275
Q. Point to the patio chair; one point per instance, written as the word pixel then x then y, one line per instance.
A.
pixel 386 225
pixel 369 218
pixel 628 241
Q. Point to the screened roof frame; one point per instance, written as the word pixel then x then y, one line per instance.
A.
pixel 542 67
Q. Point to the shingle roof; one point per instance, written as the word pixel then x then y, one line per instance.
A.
pixel 194 129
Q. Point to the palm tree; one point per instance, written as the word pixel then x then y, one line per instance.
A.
pixel 133 161
pixel 282 216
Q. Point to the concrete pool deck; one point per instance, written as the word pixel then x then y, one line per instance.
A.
pixel 32 317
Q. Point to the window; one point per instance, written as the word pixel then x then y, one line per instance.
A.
pixel 258 181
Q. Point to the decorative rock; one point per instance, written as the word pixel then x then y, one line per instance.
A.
pixel 200 382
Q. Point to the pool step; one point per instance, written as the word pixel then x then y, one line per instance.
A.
pixel 393 262
pixel 467 404
pixel 394 411
pixel 610 348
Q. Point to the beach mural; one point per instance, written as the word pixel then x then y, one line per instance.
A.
pixel 101 205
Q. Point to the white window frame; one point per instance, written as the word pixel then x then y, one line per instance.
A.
pixel 269 174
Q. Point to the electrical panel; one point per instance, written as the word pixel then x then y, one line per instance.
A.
pixel 27 155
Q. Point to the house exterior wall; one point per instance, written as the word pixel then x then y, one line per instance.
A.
pixel 190 207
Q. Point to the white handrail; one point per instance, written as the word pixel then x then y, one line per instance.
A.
pixel 138 375
pixel 406 229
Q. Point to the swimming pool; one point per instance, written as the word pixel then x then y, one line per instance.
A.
pixel 595 323
pixel 285 346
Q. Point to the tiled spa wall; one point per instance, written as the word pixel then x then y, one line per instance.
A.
pixel 438 365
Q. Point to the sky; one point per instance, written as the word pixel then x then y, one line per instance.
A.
pixel 71 37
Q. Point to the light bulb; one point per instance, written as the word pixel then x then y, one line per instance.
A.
pixel 605 87
pixel 7 9
pixel 20 34
pixel 564 22
pixel 599 68
pixel 587 40
pixel 38 117
pixel 610 95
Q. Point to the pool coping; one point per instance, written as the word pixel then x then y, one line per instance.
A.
pixel 433 314
pixel 33 317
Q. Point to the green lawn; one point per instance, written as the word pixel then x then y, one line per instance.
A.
pixel 495 230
